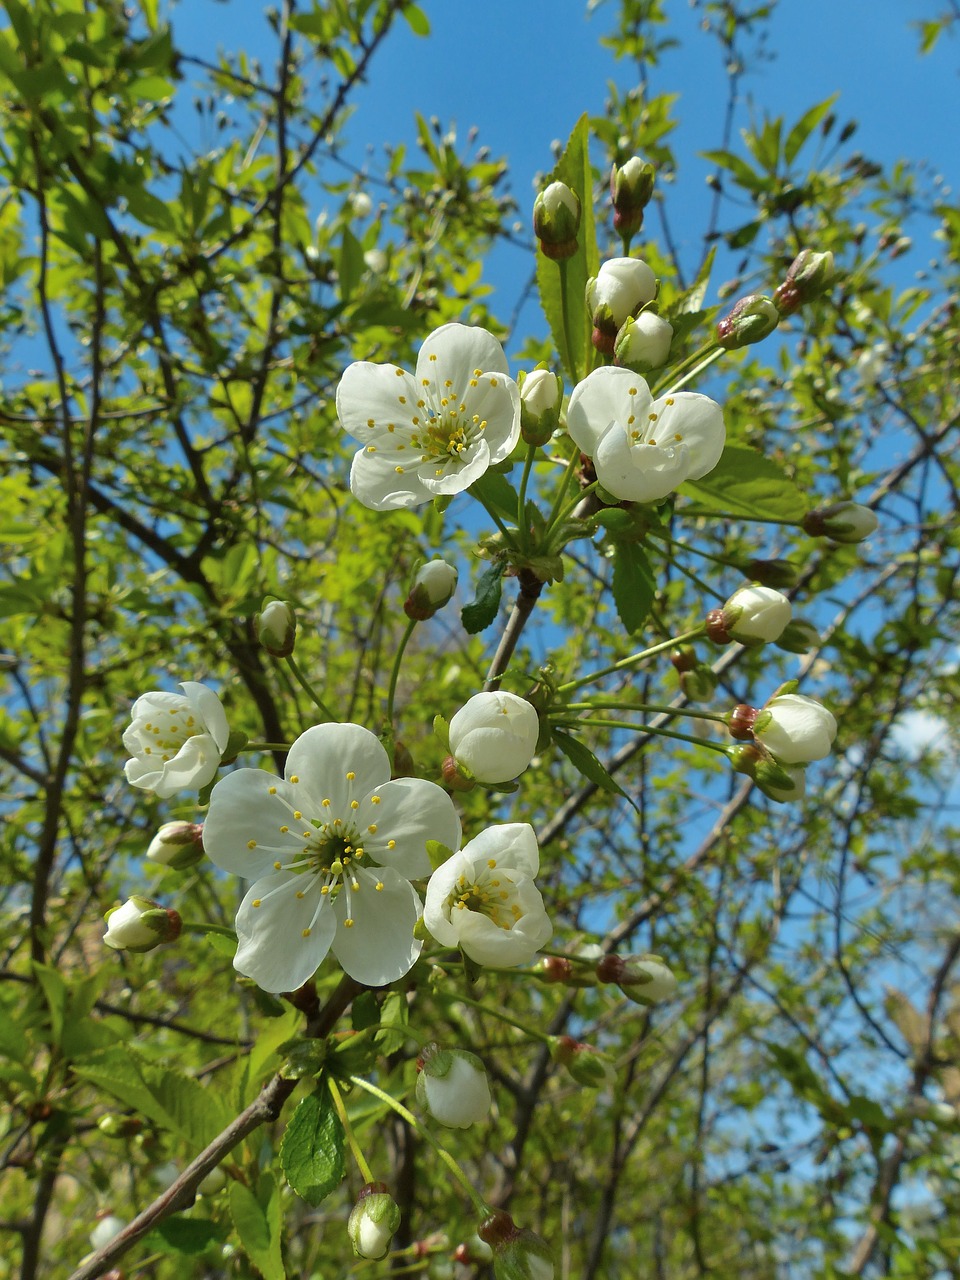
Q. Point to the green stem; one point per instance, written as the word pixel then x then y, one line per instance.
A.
pixel 308 688
pixel 698 360
pixel 533 1032
pixel 493 516
pixel 647 707
pixel 522 496
pixel 575 502
pixel 559 500
pixel 481 1206
pixel 266 746
pixel 632 661
pixel 203 926
pixel 337 1097
pixel 395 673
pixel 644 728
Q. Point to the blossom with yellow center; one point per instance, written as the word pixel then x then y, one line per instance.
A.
pixel 643 449
pixel 176 741
pixel 483 899
pixel 331 848
pixel 433 432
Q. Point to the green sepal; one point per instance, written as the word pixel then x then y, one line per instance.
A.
pixel 438 853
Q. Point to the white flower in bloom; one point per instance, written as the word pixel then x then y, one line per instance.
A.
pixel 756 614
pixel 434 432
pixel 643 448
pixel 484 901
pixel 331 847
pixel 624 285
pixel 177 740
pixel 494 736
pixel 452 1085
pixel 795 729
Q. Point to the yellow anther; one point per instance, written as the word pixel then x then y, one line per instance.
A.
pixel 354 804
pixel 300 894
pixel 371 448
pixel 325 889
pixel 677 436
pixel 371 422
pixel 372 828
pixel 398 470
pixel 491 863
pixel 391 428
pixel 433 356
pixel 304 933
pixel 273 791
pixel 379 886
pixel 398 372
pixel 284 829
pixel 251 844
pixel 391 844
pixel 494 383
pixel 350 775
pixel 651 417
pixel 256 902
pixel 632 391
pixel 402 399
pixel 277 866
pixel 670 400
pixel 374 799
pixel 355 884
pixel 348 923
pixel 297 814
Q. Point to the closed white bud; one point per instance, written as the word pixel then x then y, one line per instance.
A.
pixel 177 845
pixel 373 1221
pixel 843 522
pixel 140 925
pixel 276 628
pixel 433 587
pixel 452 1085
pixel 493 737
pixel 643 979
pixel 756 615
pixel 643 343
pixel 795 729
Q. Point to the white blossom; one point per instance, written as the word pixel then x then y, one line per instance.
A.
pixel 643 449
pixel 795 729
pixel 484 901
pixel 622 285
pixel 176 740
pixel 434 432
pixel 494 736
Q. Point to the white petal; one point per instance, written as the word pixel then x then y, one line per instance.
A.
pixel 411 812
pixel 380 946
pixel 376 483
pixel 242 809
pixel 460 350
pixel 322 757
pixel 699 420
pixel 440 894
pixel 370 392
pixel 497 402
pixel 640 473
pixel 194 765
pixel 210 710
pixel 469 466
pixel 601 400
pixel 273 951
pixel 151 704
pixel 513 844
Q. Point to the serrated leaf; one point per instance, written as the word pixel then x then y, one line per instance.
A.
pixel 185 1235
pixel 586 763
pixel 746 484
pixel 482 611
pixel 258 1226
pixel 196 1112
pixel 575 170
pixel 394 1017
pixel 634 586
pixel 802 130
pixel 311 1153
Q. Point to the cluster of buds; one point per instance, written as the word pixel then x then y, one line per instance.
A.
pixel 492 739
pixel 452 1085
pixel 556 220
pixel 433 587
pixel 753 615
pixel 785 735
pixel 810 274
pixel 141 924
pixel 618 292
pixel 631 188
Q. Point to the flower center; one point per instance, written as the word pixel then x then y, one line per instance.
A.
pixel 652 430
pixel 448 430
pixel 169 732
pixel 488 895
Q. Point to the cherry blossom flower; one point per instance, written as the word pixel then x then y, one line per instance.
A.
pixel 494 736
pixel 176 740
pixel 643 449
pixel 483 899
pixel 795 729
pixel 434 432
pixel 331 847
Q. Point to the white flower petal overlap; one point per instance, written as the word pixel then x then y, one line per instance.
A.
pixel 643 449
pixel 176 741
pixel 331 848
pixel 433 432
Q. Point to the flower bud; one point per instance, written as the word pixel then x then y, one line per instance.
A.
pixel 753 615
pixel 518 1253
pixel 741 720
pixel 494 736
pixel 107 1227
pixel 359 204
pixel 700 684
pixel 540 394
pixel 779 781
pixel 452 1085
pixel 842 521
pixel 795 729
pixel 643 979
pixel 772 573
pixel 684 658
pixel 589 1067
pixel 177 845
pixel 556 220
pixel 373 1221
pixel 751 320
pixel 215 1181
pixel 799 636
pixel 808 275
pixel 643 343
pixel 115 1126
pixel 621 288
pixel 140 925
pixel 433 587
pixel 276 628
pixel 631 187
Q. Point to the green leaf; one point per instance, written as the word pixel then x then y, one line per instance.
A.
pixel 185 1235
pixel 634 586
pixel 416 19
pixel 258 1225
pixel 196 1112
pixel 351 266
pixel 585 762
pixel 802 130
pixel 364 1012
pixel 746 484
pixel 55 993
pixel 575 170
pixel 438 853
pixel 482 611
pixel 495 490
pixel 394 1017
pixel 311 1153
pixel 744 175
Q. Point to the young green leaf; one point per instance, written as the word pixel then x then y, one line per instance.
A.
pixel 311 1153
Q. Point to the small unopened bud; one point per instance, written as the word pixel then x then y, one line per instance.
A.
pixel 684 657
pixel 842 521
pixel 808 275
pixel 360 204
pixel 643 979
pixel 772 573
pixel 556 969
pixel 540 395
pixel 741 720
pixel 454 779
pixel 631 188
pixel 215 1181
pixel 373 1221
pixel 518 1253
pixel 140 925
pixel 621 288
pixel 115 1126
pixel 556 220
pixel 107 1227
pixel 433 587
pixel 799 636
pixel 276 628
pixel 751 320
pixel 753 615
pixel 452 1085
pixel 643 342
pixel 177 845
pixel 699 685
pixel 586 1064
